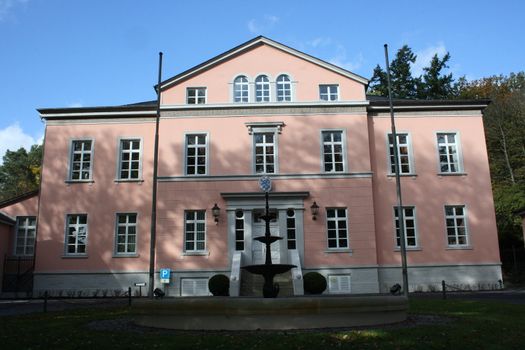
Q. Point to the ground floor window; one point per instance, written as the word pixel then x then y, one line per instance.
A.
pixel 190 287
pixel 339 284
pixel 291 229
pixel 409 224
pixel 76 234
pixel 195 231
pixel 456 221
pixel 239 230
pixel 126 235
pixel 336 221
pixel 25 235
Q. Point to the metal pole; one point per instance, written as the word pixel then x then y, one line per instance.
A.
pixel 154 192
pixel 398 182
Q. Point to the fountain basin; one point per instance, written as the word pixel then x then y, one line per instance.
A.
pixel 243 313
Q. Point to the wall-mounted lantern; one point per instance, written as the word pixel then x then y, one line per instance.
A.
pixel 315 210
pixel 216 211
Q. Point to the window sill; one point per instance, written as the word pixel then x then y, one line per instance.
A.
pixel 126 255
pixel 84 256
pixel 409 249
pixel 79 181
pixel 330 251
pixel 403 175
pixel 459 247
pixel 126 180
pixel 452 174
pixel 202 253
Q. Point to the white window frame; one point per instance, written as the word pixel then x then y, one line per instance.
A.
pixel 241 86
pixel 126 225
pixel 264 87
pixel 264 145
pixel 72 153
pixel 397 239
pixel 131 151
pixel 390 156
pixel 459 155
pixel 195 232
pixel 198 93
pixel 337 219
pixel 23 224
pixel 76 244
pixel 282 87
pixel 187 146
pixel 456 227
pixel 331 94
pixel 332 144
pixel 335 284
pixel 185 281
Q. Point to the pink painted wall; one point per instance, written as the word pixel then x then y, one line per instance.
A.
pixel 101 200
pixel 272 62
pixel 429 192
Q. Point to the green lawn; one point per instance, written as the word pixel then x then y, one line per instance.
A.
pixel 474 325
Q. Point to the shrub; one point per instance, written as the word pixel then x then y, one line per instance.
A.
pixel 219 285
pixel 314 283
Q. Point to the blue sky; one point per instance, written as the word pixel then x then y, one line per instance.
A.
pixel 66 53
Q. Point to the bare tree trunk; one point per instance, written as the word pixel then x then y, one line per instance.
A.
pixel 505 152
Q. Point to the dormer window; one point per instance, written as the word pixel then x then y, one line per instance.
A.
pixel 284 88
pixel 329 92
pixel 262 89
pixel 240 89
pixel 196 95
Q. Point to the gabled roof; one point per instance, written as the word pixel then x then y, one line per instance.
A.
pixel 255 42
pixel 19 198
pixel 6 219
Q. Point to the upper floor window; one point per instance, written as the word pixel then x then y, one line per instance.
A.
pixel 195 230
pixel 130 158
pixel 333 157
pixel 196 153
pixel 329 92
pixel 336 222
pixel 25 235
pixel 126 234
pixel 284 88
pixel 241 89
pixel 456 222
pixel 409 224
pixel 403 153
pixel 262 89
pixel 81 160
pixel 265 152
pixel 196 95
pixel 449 160
pixel 76 234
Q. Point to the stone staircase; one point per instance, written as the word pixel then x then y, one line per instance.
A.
pixel 252 284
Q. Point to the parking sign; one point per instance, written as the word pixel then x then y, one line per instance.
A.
pixel 165 275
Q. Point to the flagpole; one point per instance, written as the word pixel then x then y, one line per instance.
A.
pixel 400 213
pixel 154 190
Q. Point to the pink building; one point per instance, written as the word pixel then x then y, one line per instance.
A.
pixel 263 108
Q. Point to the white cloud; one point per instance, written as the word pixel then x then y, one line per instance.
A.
pixel 13 137
pixel 425 56
pixel 342 60
pixel 320 41
pixel 257 26
pixel 7 5
pixel 76 104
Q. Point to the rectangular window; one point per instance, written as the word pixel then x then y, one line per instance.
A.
pixel 25 235
pixel 291 230
pixel 404 154
pixel 130 158
pixel 196 153
pixel 339 284
pixel 76 234
pixel 333 158
pixel 329 92
pixel 81 160
pixel 195 231
pixel 196 95
pixel 126 234
pixel 448 153
pixel 409 220
pixel 239 230
pixel 265 153
pixel 191 287
pixel 337 228
pixel 456 221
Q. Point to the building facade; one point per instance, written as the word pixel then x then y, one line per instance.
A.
pixel 263 108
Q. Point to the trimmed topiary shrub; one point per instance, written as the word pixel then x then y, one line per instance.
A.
pixel 314 283
pixel 219 285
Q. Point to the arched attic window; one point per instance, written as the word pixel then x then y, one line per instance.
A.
pixel 240 89
pixel 262 89
pixel 284 88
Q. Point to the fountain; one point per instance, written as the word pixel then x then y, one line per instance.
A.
pixel 268 270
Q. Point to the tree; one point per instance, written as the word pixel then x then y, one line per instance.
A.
pixel 434 84
pixel 20 172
